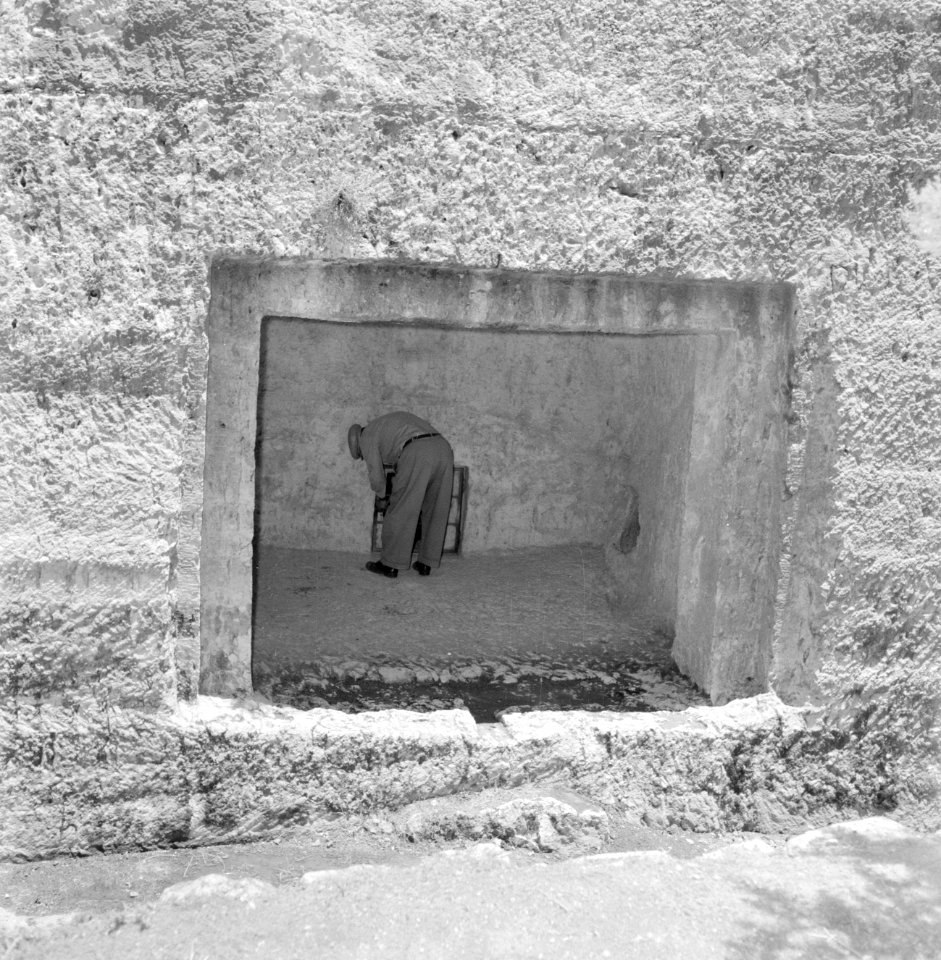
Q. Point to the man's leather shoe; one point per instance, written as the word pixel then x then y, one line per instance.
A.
pixel 377 566
pixel 422 568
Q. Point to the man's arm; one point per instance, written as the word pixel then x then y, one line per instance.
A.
pixel 377 473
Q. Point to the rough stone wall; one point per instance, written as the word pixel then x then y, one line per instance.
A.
pixel 218 772
pixel 748 140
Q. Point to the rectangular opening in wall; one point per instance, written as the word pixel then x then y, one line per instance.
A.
pixel 563 591
pixel 632 429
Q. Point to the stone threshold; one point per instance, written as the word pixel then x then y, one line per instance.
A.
pixel 219 771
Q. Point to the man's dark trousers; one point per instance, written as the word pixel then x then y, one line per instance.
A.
pixel 421 487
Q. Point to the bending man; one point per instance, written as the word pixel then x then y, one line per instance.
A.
pixel 423 466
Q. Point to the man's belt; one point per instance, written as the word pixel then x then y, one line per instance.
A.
pixel 419 436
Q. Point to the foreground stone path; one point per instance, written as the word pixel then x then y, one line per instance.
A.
pixel 869 888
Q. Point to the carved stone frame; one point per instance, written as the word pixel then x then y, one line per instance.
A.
pixel 731 526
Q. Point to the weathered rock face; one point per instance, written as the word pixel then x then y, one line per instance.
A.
pixel 548 820
pixel 213 772
pixel 781 143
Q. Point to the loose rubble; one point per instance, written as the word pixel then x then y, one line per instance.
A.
pixel 489 688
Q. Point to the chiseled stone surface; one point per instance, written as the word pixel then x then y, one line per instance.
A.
pixel 654 138
pixel 213 771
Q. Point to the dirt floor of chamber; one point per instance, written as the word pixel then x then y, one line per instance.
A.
pixel 515 630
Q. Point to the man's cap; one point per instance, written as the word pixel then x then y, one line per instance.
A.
pixel 352 441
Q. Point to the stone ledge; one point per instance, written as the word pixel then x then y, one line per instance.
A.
pixel 221 771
